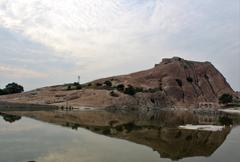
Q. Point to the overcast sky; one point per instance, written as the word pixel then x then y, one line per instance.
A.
pixel 47 42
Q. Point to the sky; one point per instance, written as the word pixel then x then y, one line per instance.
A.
pixel 49 42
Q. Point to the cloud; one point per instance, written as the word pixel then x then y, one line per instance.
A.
pixel 17 72
pixel 88 28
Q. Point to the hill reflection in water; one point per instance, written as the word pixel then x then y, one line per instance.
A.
pixel 156 129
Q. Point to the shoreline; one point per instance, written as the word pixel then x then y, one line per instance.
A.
pixel 10 106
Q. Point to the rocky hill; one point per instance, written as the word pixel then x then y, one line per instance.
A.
pixel 174 82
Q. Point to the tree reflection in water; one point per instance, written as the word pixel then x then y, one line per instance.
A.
pixel 10 118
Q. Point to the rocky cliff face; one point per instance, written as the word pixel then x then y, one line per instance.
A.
pixel 178 82
pixel 174 82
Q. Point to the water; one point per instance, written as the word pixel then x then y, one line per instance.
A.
pixel 114 137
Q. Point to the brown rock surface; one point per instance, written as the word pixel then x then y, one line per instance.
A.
pixel 174 82
pixel 180 82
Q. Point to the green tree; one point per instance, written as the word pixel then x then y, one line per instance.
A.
pixel 120 87
pixel 13 88
pixel 108 83
pixel 2 92
pixel 130 90
pixel 225 98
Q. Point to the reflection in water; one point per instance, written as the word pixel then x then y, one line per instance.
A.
pixel 10 118
pixel 157 130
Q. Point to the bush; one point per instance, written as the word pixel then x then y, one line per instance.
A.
pixel 130 90
pixel 106 131
pixel 113 94
pixel 225 98
pixel 76 84
pixel 179 82
pixel 152 90
pixel 11 88
pixel 190 79
pixel 120 87
pixel 225 120
pixel 108 83
pixel 98 84
pixel 138 89
pixel 2 92
pixel 79 86
pixel 69 87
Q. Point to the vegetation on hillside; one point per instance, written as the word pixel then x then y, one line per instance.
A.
pixel 113 87
pixel 179 82
pixel 74 86
pixel 190 79
pixel 130 90
pixel 225 98
pixel 126 89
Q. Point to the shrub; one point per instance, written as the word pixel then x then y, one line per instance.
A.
pixel 138 89
pixel 130 90
pixel 108 83
pixel 89 84
pixel 69 87
pixel 225 120
pixel 190 79
pixel 225 98
pixel 120 87
pixel 113 94
pixel 79 86
pixel 76 84
pixel 2 92
pixel 106 131
pixel 179 82
pixel 98 84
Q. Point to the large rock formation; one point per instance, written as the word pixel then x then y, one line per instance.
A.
pixel 174 82
pixel 178 82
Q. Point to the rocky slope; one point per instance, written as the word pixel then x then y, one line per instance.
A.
pixel 174 82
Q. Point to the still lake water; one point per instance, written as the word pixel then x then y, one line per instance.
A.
pixel 58 138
